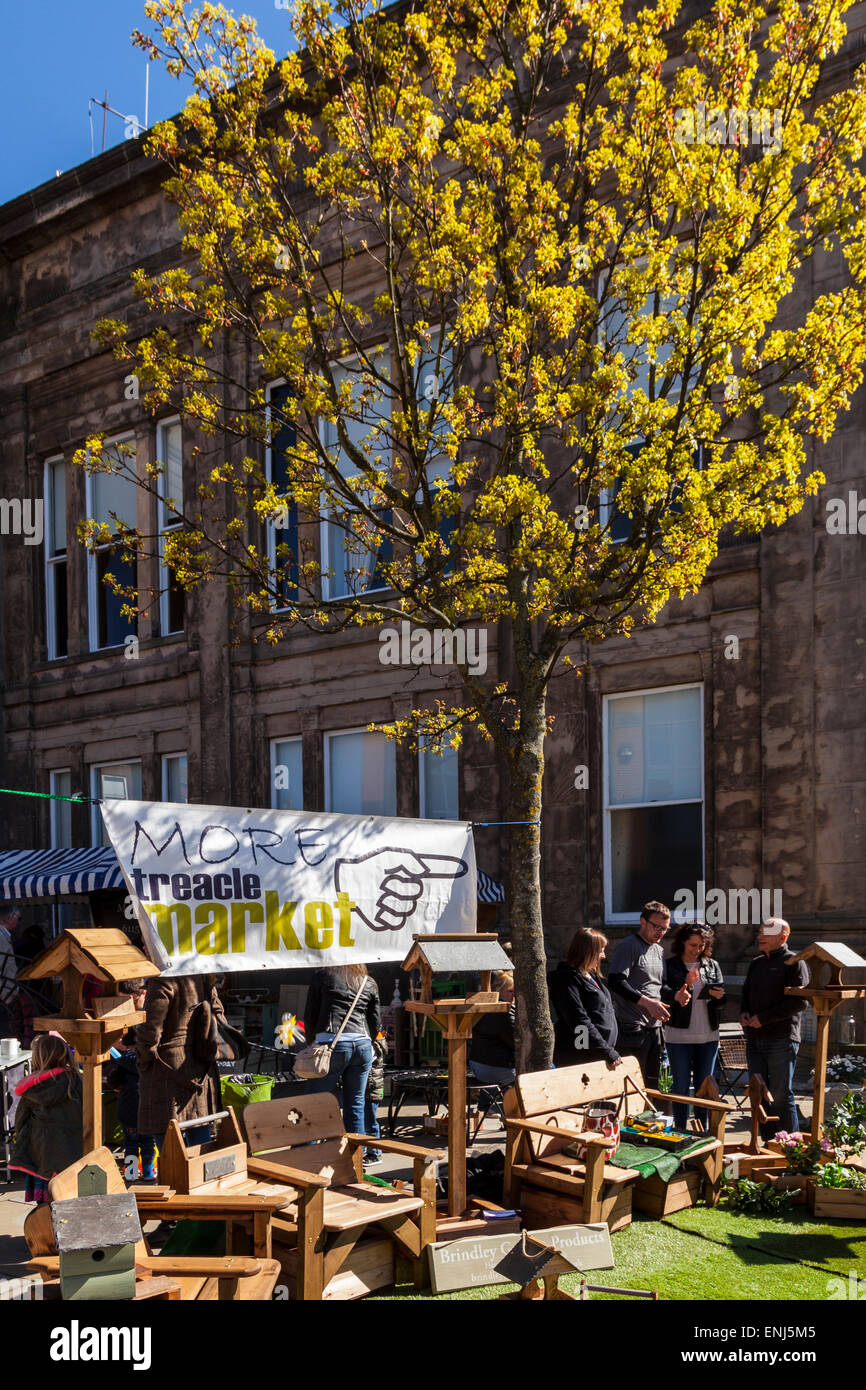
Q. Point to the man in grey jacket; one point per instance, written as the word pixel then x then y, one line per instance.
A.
pixel 635 978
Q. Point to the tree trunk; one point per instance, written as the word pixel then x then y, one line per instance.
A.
pixel 534 1028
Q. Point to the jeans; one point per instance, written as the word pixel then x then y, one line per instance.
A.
pixel 690 1061
pixel 492 1076
pixel 351 1064
pixel 774 1059
pixel 371 1125
pixel 133 1144
pixel 647 1045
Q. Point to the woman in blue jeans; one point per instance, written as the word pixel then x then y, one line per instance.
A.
pixel 329 1000
pixel 694 990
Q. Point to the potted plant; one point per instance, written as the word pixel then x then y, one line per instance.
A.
pixel 846 1126
pixel 804 1158
pixel 839 1192
pixel 844 1074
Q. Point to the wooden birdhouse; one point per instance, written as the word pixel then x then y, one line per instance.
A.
pixel 96 1234
pixel 108 955
pixel 826 961
pixel 440 954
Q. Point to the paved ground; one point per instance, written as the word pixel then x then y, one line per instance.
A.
pixel 13 1209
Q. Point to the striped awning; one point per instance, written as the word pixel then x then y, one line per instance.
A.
pixel 490 890
pixel 52 873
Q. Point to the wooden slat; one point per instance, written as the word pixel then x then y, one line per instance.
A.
pixel 331 1159
pixel 345 1210
pixel 538 1174
pixel 552 1091
pixel 280 1124
pixel 563 1164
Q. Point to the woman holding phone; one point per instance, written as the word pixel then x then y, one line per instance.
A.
pixel 694 990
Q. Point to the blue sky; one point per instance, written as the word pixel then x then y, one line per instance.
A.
pixel 57 54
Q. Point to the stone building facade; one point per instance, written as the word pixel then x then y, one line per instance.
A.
pixel 725 744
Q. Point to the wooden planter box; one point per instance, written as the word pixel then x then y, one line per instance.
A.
pixel 662 1198
pixel 837 1203
pixel 797 1183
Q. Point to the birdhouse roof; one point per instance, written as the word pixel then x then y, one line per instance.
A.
pixel 531 1259
pixel 445 955
pixel 88 1223
pixel 104 952
pixel 834 952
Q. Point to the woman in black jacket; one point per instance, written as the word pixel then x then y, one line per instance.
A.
pixel 586 1026
pixel 329 999
pixel 694 991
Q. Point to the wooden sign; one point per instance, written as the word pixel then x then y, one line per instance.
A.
pixel 471 1263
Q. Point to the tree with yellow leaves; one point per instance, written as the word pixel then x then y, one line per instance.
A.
pixel 520 266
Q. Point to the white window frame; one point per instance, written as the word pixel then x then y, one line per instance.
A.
pixel 52 560
pixel 422 783
pixel 327 565
pixel 338 733
pixel 95 768
pixel 55 809
pixel 166 757
pixel 627 918
pixel 92 575
pixel 272 763
pixel 165 523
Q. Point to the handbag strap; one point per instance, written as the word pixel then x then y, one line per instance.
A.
pixel 336 1037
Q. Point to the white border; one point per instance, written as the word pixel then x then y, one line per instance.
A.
pixel 422 785
pixel 53 774
pixel 625 918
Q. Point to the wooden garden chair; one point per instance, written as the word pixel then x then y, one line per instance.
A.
pixel 339 1226
pixel 234 1277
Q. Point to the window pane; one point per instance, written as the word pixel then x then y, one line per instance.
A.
pixel 115 781
pixel 362 775
pixel 58 642
pixel 356 569
pixel 174 777
pixel 654 852
pixel 115 492
pixel 113 627
pixel 285 564
pixel 61 811
pixel 57 505
pixel 655 747
pixel 287 785
pixel 440 785
pixel 171 456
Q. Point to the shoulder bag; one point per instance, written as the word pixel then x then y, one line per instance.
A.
pixel 315 1061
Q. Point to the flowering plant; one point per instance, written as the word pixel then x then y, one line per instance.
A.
pixel 803 1153
pixel 845 1068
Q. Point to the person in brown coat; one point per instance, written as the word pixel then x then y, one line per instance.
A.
pixel 173 1083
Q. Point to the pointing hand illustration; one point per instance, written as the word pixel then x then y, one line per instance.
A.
pixel 387 884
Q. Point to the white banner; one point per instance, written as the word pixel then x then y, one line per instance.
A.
pixel 219 888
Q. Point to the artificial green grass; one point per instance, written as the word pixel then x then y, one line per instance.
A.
pixel 836 1247
pixel 652 1254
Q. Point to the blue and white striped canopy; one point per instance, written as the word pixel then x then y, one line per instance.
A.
pixel 490 890
pixel 51 873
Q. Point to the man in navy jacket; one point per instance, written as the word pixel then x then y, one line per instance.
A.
pixel 771 1019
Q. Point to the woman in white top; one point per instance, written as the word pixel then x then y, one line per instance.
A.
pixel 694 990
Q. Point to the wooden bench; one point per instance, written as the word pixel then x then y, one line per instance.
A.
pixel 545 1117
pixel 340 1234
